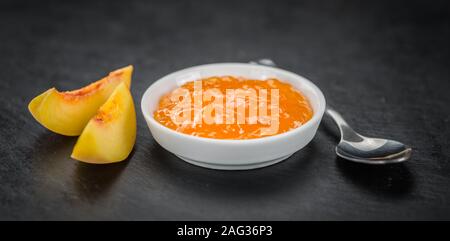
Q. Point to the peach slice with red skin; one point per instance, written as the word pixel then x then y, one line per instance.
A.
pixel 111 133
pixel 67 113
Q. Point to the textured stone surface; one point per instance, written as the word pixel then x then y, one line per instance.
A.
pixel 383 64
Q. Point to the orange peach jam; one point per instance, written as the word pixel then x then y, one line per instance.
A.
pixel 293 108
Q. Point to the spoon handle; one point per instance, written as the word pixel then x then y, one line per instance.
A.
pixel 347 133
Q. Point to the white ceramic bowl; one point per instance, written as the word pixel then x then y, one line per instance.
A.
pixel 232 154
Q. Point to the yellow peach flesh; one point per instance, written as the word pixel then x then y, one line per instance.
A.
pixel 111 133
pixel 67 113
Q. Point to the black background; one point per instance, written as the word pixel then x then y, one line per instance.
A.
pixel 383 64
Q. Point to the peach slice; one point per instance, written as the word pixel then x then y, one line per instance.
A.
pixel 67 113
pixel 110 135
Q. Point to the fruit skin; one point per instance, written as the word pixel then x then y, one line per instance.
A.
pixel 110 135
pixel 67 113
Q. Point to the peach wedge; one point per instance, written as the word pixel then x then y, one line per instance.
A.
pixel 110 135
pixel 67 113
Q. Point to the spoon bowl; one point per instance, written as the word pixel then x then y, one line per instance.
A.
pixel 359 148
pixel 374 151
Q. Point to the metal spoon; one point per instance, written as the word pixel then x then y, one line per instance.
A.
pixel 359 148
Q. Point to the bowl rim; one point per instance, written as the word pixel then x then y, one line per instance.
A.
pixel 317 115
